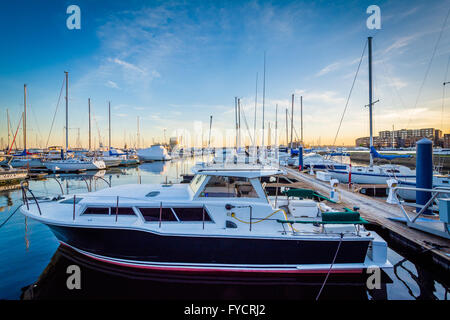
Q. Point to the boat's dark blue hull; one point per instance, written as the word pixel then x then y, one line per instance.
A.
pixel 143 246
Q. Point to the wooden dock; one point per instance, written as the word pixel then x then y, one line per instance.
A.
pixel 378 212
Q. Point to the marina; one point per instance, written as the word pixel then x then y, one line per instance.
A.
pixel 145 161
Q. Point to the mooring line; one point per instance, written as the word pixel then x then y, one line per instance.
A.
pixel 4 222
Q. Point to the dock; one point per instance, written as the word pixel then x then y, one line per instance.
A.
pixel 378 212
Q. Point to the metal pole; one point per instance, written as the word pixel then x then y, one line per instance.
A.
pixel 239 123
pixel 203 217
pixel 301 118
pixel 117 207
pixel 25 117
pixel 160 213
pixel 109 124
pixel 254 121
pixel 236 120
pixel 287 128
pixel 67 110
pixel 9 129
pixel 370 96
pixel 89 107
pixel 264 101
pixel 74 201
pixel 251 211
pixel 209 137
pixel 292 120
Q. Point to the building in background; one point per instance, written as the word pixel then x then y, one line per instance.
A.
pixel 402 138
pixel 446 141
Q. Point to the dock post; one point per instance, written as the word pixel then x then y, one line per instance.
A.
pixel 424 172
pixel 300 158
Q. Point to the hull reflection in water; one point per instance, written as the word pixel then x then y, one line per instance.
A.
pixel 102 281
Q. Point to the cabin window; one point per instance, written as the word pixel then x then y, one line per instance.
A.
pixel 191 214
pixel 445 181
pixel 393 171
pixel 197 182
pixel 123 211
pixel 96 210
pixel 229 187
pixel 153 214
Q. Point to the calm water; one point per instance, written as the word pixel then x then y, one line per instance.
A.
pixel 32 265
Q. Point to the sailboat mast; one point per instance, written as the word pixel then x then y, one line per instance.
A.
pixel 276 132
pixel 292 121
pixel 301 119
pixel 67 110
pixel 25 117
pixel 109 124
pixel 264 99
pixel 287 128
pixel 89 107
pixel 254 121
pixel 209 136
pixel 370 97
pixel 236 120
pixel 9 129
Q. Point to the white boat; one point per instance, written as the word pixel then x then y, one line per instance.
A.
pixel 154 153
pixel 439 181
pixel 376 174
pixel 316 161
pixel 74 165
pixel 8 174
pixel 222 222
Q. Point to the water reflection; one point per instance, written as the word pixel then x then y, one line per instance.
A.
pixel 100 280
pixel 157 167
pixel 32 248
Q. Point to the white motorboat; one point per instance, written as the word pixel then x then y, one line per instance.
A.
pixel 222 222
pixel 316 161
pixel 154 153
pixel 74 165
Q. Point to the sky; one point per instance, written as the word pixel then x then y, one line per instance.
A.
pixel 174 64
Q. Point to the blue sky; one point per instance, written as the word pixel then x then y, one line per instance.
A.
pixel 176 62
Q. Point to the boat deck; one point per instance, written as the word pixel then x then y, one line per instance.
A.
pixel 378 212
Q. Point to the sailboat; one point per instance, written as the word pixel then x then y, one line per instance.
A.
pixel 72 165
pixel 373 174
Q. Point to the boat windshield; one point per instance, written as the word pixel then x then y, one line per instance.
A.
pixel 197 182
pixel 229 187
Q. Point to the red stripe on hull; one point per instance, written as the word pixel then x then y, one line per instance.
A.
pixel 221 270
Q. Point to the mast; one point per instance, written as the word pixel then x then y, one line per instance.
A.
pixel 209 136
pixel 9 129
pixel 301 119
pixel 109 124
pixel 292 121
pixel 67 110
pixel 276 132
pixel 25 117
pixel 89 107
pixel 236 121
pixel 287 128
pixel 254 121
pixel 370 97
pixel 138 135
pixel 264 100
pixel 239 123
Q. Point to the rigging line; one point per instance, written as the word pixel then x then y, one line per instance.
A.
pixel 350 93
pixel 428 67
pixel 35 120
pixel 54 115
pixel 246 124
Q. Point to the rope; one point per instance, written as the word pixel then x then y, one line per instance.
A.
pixel 331 266
pixel 248 222
pixel 428 67
pixel 54 115
pixel 4 222
pixel 350 94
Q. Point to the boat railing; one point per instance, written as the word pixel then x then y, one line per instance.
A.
pixel 439 227
pixel 25 198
